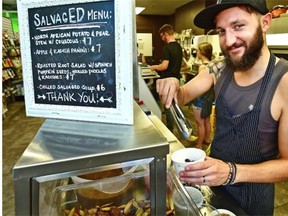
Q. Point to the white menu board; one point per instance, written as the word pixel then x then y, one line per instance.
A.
pixel 78 59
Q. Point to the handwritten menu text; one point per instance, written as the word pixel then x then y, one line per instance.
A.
pixel 73 54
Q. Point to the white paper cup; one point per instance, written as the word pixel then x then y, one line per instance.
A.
pixel 179 205
pixel 180 157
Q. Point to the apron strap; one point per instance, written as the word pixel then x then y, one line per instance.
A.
pixel 266 79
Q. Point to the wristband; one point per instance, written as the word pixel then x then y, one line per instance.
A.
pixel 229 175
pixel 232 174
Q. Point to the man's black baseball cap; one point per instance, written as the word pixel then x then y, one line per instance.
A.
pixel 205 18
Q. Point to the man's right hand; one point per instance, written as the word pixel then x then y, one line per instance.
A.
pixel 167 89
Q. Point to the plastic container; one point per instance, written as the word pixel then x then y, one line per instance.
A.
pixel 222 212
pixel 106 186
pixel 180 205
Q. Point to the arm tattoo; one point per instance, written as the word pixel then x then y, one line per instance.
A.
pixel 215 67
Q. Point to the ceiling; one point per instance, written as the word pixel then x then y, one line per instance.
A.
pixel 152 7
pixel 160 7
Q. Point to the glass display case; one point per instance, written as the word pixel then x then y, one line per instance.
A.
pixel 62 149
pixel 127 194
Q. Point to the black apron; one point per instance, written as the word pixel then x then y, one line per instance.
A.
pixel 236 140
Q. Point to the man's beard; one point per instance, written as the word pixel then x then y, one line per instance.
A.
pixel 250 56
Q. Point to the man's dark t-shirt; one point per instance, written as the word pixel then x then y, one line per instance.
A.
pixel 173 53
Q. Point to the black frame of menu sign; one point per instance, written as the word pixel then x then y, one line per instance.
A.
pixel 78 59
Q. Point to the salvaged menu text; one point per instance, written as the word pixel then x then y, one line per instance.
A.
pixel 73 54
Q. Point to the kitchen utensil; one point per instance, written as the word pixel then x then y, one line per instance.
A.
pixel 182 123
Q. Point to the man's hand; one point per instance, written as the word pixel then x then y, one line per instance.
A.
pixel 212 172
pixel 167 89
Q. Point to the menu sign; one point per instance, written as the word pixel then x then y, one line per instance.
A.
pixel 74 61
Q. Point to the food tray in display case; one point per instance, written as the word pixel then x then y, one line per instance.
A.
pixel 126 194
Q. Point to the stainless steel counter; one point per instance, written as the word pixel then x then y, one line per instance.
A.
pixel 175 144
pixel 63 148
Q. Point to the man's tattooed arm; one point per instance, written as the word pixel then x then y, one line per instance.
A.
pixel 215 67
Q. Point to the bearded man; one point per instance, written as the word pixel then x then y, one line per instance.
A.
pixel 249 152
